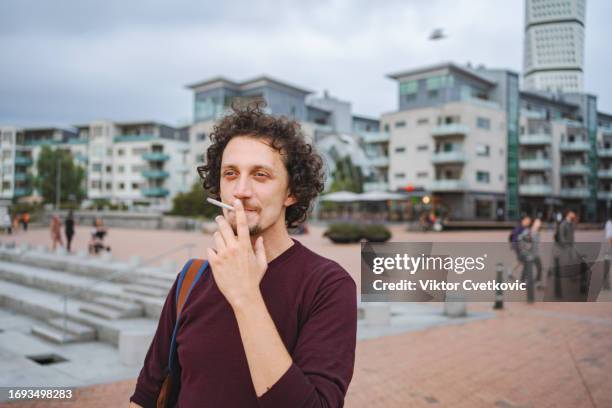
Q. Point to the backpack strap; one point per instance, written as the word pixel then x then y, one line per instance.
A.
pixel 189 276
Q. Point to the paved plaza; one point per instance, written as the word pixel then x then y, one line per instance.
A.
pixel 540 355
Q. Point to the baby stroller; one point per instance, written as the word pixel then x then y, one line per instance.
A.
pixel 96 245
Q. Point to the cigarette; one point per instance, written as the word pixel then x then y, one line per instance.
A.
pixel 220 204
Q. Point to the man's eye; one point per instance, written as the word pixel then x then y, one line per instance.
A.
pixel 228 173
pixel 261 175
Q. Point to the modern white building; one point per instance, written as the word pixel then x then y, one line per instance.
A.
pixel 554 45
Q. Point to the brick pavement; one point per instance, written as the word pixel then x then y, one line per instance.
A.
pixel 543 355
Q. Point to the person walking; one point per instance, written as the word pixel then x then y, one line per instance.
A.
pixel 535 250
pixel 56 232
pixel 25 220
pixel 69 230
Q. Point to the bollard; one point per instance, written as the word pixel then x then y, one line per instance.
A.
pixel 584 276
pixel 606 273
pixel 499 294
pixel 529 277
pixel 558 293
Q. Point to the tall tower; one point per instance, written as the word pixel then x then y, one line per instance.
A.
pixel 554 45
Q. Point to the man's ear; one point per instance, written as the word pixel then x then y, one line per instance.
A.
pixel 290 200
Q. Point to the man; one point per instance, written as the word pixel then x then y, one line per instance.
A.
pixel 518 234
pixel 272 324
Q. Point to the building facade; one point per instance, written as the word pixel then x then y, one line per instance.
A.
pixel 553 58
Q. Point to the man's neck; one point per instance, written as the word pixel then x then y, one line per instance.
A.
pixel 276 241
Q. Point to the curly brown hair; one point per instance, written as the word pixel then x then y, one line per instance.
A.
pixel 303 163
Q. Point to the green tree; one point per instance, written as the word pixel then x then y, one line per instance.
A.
pixel 193 203
pixel 71 180
pixel 347 177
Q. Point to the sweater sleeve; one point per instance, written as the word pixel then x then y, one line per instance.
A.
pixel 324 356
pixel 152 374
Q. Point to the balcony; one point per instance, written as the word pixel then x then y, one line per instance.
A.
pixel 21 176
pixel 576 168
pixel 576 192
pixel 134 138
pixel 533 189
pixel 375 137
pixel 578 146
pixel 535 164
pixel 380 161
pixel 454 156
pixel 155 192
pixel 155 156
pixel 536 139
pixel 452 129
pixel 604 152
pixel 604 173
pixel 375 186
pixel 155 174
pixel 23 161
pixel 604 195
pixel 23 191
pixel 447 185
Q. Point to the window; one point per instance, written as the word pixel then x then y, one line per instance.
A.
pixel 120 152
pixel 433 94
pixel 484 208
pixel 109 186
pixel 422 174
pixel 137 169
pixel 421 148
pixel 139 151
pixel 400 149
pixel 109 151
pixel 135 186
pixel 410 97
pixel 483 123
pixel 408 87
pixel 386 127
pixel 96 184
pixel 200 158
pixel 482 150
pixel 400 124
pixel 422 121
pixel 201 136
pixel 96 167
pixel 121 186
pixel 400 175
pixel 109 169
pixel 120 169
pixel 482 176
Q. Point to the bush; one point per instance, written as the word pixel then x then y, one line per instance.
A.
pixel 347 232
pixel 343 233
pixel 375 233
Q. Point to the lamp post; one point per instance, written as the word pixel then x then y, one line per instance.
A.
pixel 57 184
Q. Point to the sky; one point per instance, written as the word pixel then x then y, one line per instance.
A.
pixel 66 62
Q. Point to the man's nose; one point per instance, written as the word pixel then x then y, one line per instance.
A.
pixel 243 188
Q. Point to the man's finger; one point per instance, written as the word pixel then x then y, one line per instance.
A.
pixel 225 229
pixel 219 242
pixel 241 223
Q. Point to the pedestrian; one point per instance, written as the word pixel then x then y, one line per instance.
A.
pixel 56 232
pixel 69 230
pixel 16 222
pixel 608 229
pixel 518 234
pixel 535 250
pixel 25 220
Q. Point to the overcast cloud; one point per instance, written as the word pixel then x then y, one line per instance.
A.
pixel 73 61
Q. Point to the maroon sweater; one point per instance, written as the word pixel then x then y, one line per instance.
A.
pixel 313 303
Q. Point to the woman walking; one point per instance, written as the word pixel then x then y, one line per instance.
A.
pixel 56 232
pixel 69 229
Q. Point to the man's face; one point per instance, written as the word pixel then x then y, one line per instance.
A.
pixel 526 222
pixel 254 173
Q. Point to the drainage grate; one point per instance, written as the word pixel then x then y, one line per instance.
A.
pixel 47 359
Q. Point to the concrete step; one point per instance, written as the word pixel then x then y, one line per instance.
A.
pixel 102 311
pixel 80 331
pixel 155 283
pixel 62 282
pixel 53 335
pixel 43 305
pixel 130 308
pixel 146 290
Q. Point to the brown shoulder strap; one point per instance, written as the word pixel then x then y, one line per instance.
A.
pixel 187 282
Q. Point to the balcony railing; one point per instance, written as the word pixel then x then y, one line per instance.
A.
pixel 155 174
pixel 375 137
pixel 155 156
pixel 451 129
pixel 375 186
pixel 604 173
pixel 577 168
pixel 448 185
pixel 529 189
pixel 604 152
pixel 155 192
pixel 535 139
pixel 380 161
pixel 23 161
pixel 604 195
pixel 23 191
pixel 535 164
pixel 455 156
pixel 577 192
pixel 579 146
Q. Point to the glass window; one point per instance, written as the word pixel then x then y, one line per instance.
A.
pixel 482 176
pixel 409 87
pixel 483 123
pixel 400 149
pixel 482 150
pixel 96 167
pixel 422 147
pixel 400 124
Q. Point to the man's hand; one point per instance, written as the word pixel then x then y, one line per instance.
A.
pixel 236 266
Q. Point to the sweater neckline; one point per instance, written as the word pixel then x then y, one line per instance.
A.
pixel 286 254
